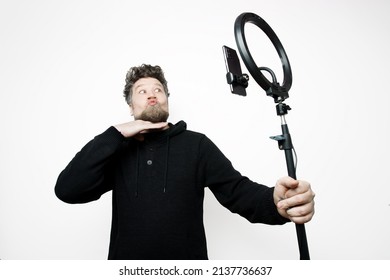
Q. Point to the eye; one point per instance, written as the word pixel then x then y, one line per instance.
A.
pixel 158 90
pixel 142 91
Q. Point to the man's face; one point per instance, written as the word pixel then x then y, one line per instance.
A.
pixel 149 101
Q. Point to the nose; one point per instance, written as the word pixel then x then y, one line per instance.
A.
pixel 151 97
pixel 151 94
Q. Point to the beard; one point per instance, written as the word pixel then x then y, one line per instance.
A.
pixel 154 114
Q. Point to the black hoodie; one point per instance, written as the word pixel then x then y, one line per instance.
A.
pixel 158 190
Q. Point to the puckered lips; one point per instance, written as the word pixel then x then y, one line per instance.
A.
pixel 152 102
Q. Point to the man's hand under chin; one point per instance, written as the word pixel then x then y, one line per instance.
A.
pixel 138 127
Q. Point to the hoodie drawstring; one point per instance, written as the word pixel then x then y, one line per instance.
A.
pixel 166 165
pixel 137 172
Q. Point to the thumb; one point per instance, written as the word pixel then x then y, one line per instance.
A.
pixel 288 182
pixel 282 187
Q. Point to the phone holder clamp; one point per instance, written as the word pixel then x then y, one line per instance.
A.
pixel 241 80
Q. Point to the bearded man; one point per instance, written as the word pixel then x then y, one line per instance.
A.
pixel 158 172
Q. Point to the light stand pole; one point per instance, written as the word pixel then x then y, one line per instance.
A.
pixel 285 143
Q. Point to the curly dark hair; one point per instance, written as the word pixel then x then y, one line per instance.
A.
pixel 144 71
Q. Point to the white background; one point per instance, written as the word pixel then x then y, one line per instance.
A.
pixel 62 69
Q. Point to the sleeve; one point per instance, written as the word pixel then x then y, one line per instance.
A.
pixel 88 175
pixel 237 193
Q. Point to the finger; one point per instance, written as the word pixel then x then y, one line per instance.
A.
pixel 288 182
pixel 159 125
pixel 301 211
pixel 302 187
pixel 301 219
pixel 296 200
pixel 156 125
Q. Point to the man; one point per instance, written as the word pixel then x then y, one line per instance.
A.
pixel 158 171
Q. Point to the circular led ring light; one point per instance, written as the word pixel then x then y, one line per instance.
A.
pixel 269 87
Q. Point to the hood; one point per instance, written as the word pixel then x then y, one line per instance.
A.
pixel 173 130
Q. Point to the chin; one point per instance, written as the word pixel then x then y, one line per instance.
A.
pixel 154 114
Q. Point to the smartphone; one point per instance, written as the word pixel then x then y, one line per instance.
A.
pixel 234 72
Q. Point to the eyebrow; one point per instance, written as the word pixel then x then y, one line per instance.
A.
pixel 155 84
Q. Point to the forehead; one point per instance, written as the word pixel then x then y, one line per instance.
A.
pixel 149 81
